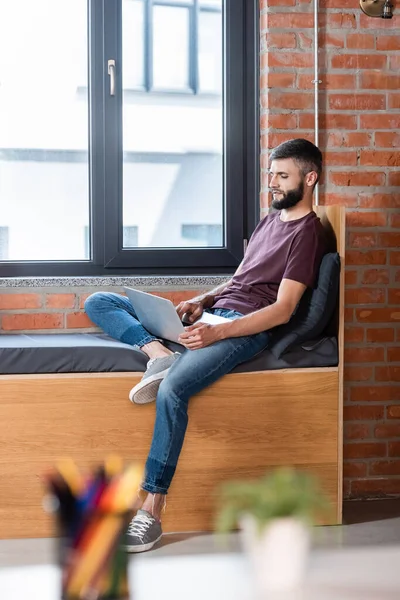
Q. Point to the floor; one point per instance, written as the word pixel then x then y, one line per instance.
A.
pixel 365 523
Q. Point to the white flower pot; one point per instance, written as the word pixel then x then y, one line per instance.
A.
pixel 278 553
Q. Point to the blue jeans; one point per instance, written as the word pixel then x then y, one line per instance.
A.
pixel 192 372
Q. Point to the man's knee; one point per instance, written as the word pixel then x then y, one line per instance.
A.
pixel 94 301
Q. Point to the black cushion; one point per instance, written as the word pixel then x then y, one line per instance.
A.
pixel 314 311
pixel 97 353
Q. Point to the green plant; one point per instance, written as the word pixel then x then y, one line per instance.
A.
pixel 284 492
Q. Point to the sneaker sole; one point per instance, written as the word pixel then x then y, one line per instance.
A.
pixel 142 547
pixel 147 395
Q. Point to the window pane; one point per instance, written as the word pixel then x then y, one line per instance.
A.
pixel 44 128
pixel 133 36
pixel 210 51
pixel 171 47
pixel 211 3
pixel 173 164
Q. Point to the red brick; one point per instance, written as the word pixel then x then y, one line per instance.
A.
pixel 291 100
pixel 375 276
pixel 390 239
pixel 372 80
pixel 353 334
pixel 374 393
pixel 373 257
pixel 377 315
pixel 357 431
pixel 364 354
pixel 380 121
pixel 290 20
pixel 357 178
pixel 363 240
pixel 281 121
pixel 387 430
pixel 351 277
pixel 388 374
pixel 329 40
pixel 341 21
pixel 338 4
pixel 305 41
pixel 281 40
pixel 363 413
pixel 277 80
pixel 357 373
pixel 395 220
pixel 348 314
pixel 395 258
pixel 394 63
pixel 365 219
pixel 78 320
pixel 394 296
pixel 394 178
pixel 17 301
pixel 386 139
pixel 385 467
pixel 394 447
pixel 360 41
pixel 379 200
pixel 375 488
pixel 394 411
pixel 346 159
pixel 329 81
pixel 274 139
pixel 376 23
pixel 357 102
pixel 354 469
pixel 364 450
pixel 388 42
pixel 379 158
pixel 381 334
pixel 29 321
pixel 343 199
pixel 328 121
pixel 358 61
pixel 394 101
pixel 289 59
pixel 82 299
pixel 393 355
pixel 365 296
pixel 60 300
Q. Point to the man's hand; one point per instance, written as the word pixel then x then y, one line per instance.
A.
pixel 193 309
pixel 201 335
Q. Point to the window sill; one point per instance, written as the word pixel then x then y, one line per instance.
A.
pixel 156 281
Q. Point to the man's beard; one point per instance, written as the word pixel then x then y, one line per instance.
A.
pixel 290 198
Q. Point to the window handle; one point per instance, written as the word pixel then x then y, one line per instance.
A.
pixel 111 72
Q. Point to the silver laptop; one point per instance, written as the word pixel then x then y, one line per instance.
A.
pixel 159 316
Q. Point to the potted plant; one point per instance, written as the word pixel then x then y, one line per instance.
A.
pixel 275 514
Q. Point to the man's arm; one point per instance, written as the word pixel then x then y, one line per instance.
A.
pixel 194 308
pixel 202 334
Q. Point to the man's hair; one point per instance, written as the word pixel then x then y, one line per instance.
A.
pixel 304 153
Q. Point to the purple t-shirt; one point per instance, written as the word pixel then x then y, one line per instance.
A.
pixel 277 250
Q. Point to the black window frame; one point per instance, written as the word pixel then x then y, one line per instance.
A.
pixel 105 158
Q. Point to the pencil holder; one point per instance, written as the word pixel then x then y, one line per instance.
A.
pixel 91 517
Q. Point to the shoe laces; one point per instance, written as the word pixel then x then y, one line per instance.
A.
pixel 139 525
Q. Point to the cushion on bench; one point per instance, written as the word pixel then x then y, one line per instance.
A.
pixel 88 353
pixel 314 311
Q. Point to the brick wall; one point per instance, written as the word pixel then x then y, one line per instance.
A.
pixel 57 310
pixel 360 138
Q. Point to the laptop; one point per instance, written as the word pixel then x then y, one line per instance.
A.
pixel 159 316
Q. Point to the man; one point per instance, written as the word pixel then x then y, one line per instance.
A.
pixel 281 261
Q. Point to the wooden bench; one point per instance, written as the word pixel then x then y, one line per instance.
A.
pixel 238 427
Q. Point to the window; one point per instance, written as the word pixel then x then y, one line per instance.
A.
pixel 148 167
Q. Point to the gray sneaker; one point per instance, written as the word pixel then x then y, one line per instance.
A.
pixel 157 368
pixel 143 532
